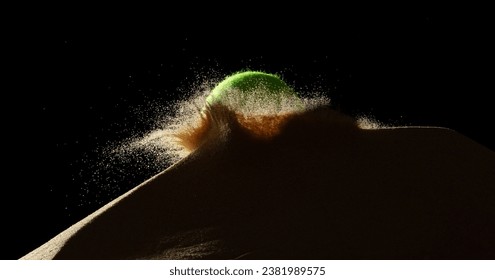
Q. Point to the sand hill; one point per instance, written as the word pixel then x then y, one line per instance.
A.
pixel 316 187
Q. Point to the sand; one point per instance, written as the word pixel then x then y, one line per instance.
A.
pixel 320 188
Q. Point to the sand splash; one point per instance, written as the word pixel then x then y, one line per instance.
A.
pixel 192 122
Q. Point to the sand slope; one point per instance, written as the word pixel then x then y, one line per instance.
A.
pixel 322 189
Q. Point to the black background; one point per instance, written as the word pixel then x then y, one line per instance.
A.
pixel 79 87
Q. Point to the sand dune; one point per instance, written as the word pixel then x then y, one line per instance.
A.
pixel 320 188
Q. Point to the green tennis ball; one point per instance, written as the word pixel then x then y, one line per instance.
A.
pixel 251 84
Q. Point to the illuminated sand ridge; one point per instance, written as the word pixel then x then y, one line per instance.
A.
pixel 265 181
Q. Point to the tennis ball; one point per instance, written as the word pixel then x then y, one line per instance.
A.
pixel 251 84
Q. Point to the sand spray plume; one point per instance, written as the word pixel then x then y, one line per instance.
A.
pixel 195 120
pixel 209 114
